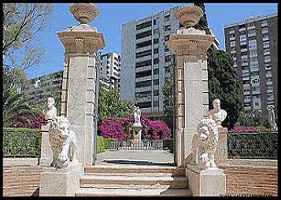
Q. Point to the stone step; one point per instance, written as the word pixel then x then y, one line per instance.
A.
pixel 135 169
pixel 173 182
pixel 132 174
pixel 133 192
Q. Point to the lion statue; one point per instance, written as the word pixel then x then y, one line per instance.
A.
pixel 63 142
pixel 204 144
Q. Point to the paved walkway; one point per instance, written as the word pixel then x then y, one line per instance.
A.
pixel 135 157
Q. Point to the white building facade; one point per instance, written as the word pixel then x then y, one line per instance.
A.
pixel 110 70
pixel 146 59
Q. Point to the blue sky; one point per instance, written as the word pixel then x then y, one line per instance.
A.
pixel 113 15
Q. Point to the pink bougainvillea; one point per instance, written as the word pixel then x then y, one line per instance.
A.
pixel 118 128
pixel 247 129
pixel 111 129
pixel 31 121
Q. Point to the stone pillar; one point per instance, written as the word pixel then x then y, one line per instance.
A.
pixel 79 78
pixel 191 78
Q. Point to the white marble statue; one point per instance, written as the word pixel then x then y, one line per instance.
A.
pixel 271 117
pixel 217 114
pixel 51 112
pixel 63 142
pixel 137 115
pixel 204 144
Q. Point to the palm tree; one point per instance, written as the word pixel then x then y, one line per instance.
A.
pixel 15 107
pixel 15 102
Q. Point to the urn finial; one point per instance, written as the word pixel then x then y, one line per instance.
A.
pixel 84 12
pixel 189 16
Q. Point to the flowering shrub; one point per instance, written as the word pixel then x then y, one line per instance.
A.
pixel 112 129
pixel 247 129
pixel 119 128
pixel 32 121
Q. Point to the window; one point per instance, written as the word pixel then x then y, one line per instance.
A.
pixel 156 50
pixel 167 18
pixel 166 38
pixel 266 44
pixel 143 25
pixel 143 34
pixel 264 23
pixel 143 44
pixel 155 41
pixel 252 44
pixel 156 71
pixel 143 94
pixel 144 63
pixel 167 28
pixel 143 53
pixel 266 52
pixel 143 84
pixel 251 33
pixel 143 74
pixel 232 44
pixel 167 58
pixel 267 59
pixel 264 30
pixel 265 37
pixel 156 82
pixel 156 61
pixel 156 92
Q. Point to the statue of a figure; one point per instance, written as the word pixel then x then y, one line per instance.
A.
pixel 271 117
pixel 204 144
pixel 217 114
pixel 62 139
pixel 137 115
pixel 51 113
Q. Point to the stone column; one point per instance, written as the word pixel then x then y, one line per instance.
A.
pixel 191 78
pixel 79 78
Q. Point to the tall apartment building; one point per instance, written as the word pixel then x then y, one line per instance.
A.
pixel 110 70
pixel 252 44
pixel 40 88
pixel 146 59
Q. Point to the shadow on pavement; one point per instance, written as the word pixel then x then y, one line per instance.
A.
pixel 136 162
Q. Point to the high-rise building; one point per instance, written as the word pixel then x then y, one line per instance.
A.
pixel 145 60
pixel 252 44
pixel 110 70
pixel 45 86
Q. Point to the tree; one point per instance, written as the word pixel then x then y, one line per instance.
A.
pixel 223 80
pixel 224 85
pixel 15 102
pixel 168 92
pixel 111 106
pixel 21 23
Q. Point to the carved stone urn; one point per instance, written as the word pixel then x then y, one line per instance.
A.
pixel 84 12
pixel 189 16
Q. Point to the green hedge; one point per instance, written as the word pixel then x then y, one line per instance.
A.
pixel 21 142
pixel 104 143
pixel 100 144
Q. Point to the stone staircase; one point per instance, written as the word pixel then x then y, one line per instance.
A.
pixel 133 181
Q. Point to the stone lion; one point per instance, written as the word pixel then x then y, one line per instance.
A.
pixel 204 144
pixel 63 142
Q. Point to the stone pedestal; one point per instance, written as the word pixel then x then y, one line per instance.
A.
pixel 136 132
pixel 191 85
pixel 46 151
pixel 61 182
pixel 208 182
pixel 221 152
